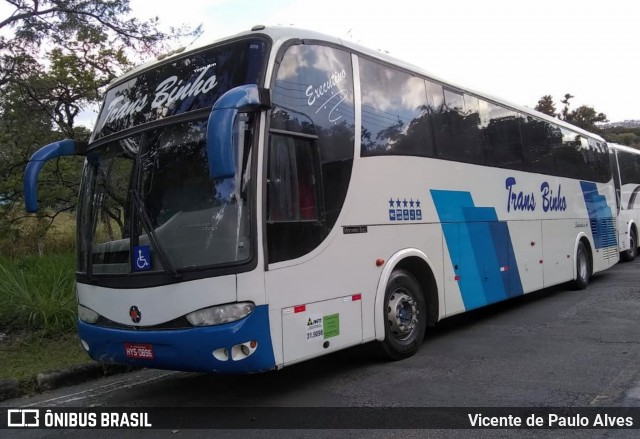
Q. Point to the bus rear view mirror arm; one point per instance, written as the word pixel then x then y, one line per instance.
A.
pixel 36 162
pixel 221 153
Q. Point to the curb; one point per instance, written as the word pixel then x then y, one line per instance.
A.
pixel 76 374
pixel 11 388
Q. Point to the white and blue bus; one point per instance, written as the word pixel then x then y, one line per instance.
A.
pixel 282 194
pixel 625 163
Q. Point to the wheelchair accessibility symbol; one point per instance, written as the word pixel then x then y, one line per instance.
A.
pixel 142 258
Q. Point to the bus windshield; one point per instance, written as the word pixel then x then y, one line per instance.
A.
pixel 180 85
pixel 148 202
pixel 155 186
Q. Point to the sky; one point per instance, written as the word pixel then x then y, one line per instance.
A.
pixel 517 50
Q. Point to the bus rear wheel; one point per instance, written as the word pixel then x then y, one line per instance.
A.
pixel 405 315
pixel 631 254
pixel 583 267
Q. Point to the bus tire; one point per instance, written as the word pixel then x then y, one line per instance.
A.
pixel 405 316
pixel 583 267
pixel 630 255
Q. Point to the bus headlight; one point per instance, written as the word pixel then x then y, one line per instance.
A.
pixel 217 315
pixel 87 315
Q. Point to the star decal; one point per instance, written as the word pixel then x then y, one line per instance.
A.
pixel 405 202
pixel 398 203
pixel 391 202
pixel 411 203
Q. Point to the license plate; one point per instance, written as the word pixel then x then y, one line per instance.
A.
pixel 139 351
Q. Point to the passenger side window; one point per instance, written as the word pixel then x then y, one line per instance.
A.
pixel 291 180
pixel 603 171
pixel 311 145
pixel 456 126
pixel 570 154
pixel 395 117
pixel 501 134
pixel 537 142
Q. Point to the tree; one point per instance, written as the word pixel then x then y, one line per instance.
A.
pixel 565 110
pixel 92 43
pixel 584 116
pixel 546 106
pixel 24 127
pixel 60 58
pixel 629 139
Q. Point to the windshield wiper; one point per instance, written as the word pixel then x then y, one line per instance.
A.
pixel 165 261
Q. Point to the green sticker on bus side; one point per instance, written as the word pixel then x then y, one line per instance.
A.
pixel 331 325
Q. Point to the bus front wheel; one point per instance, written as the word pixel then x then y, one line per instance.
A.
pixel 583 267
pixel 405 315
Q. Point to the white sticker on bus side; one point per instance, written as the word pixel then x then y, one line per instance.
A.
pixel 314 327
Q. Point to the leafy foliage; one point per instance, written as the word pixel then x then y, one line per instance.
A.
pixel 623 136
pixel 584 116
pixel 588 118
pixel 61 56
pixel 545 105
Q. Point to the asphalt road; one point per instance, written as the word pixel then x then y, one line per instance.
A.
pixel 554 348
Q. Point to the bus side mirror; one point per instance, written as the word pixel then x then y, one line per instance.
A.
pixel 221 153
pixel 37 161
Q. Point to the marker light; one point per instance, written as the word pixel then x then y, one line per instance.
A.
pixel 217 315
pixel 87 315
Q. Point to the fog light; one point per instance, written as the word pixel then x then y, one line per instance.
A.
pixel 243 350
pixel 221 354
pixel 85 345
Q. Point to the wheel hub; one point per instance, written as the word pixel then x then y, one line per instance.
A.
pixel 402 314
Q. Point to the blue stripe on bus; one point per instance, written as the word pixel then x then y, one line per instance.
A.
pixel 600 216
pixel 187 349
pixel 480 247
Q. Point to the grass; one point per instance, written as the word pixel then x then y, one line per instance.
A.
pixel 24 355
pixel 38 302
pixel 38 293
pixel 38 317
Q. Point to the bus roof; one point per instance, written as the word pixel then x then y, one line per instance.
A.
pixel 279 35
pixel 623 148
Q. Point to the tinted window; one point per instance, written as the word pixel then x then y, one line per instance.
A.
pixel 603 170
pixel 596 161
pixel 630 176
pixel 293 192
pixel 456 125
pixel 537 141
pixel 182 85
pixel 629 167
pixel 501 133
pixel 312 141
pixel 294 211
pixel 395 118
pixel 616 175
pixel 572 156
